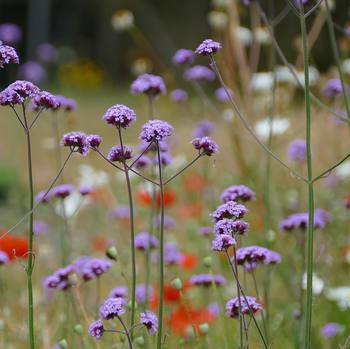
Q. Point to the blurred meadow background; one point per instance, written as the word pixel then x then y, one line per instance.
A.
pixel 91 52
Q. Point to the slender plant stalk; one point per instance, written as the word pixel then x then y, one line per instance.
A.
pixel 132 234
pixel 337 58
pixel 161 252
pixel 30 264
pixel 310 189
pixel 128 334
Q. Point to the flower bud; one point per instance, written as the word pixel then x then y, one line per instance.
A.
pixel 177 284
pixel 112 253
pixel 78 329
pixel 208 261
pixel 140 341
pixel 63 344
pixel 204 328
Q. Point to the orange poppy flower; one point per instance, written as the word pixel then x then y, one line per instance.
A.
pixel 145 199
pixel 14 246
pixel 184 317
pixel 188 262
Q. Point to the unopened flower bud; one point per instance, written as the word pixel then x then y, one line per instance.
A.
pixel 78 329
pixel 140 341
pixel 112 253
pixel 63 344
pixel 204 328
pixel 208 261
pixel 177 284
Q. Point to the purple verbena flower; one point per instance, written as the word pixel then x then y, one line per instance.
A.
pixel 149 84
pixel 47 53
pixel 297 150
pixel 120 212
pixel 150 320
pixel 18 92
pixel 205 231
pixel 237 193
pixel 143 162
pixel 8 55
pixel 45 100
pixel 205 145
pixel 231 227
pixel 119 154
pixel 94 141
pixel 334 88
pixel 178 95
pixel 85 190
pixel 96 329
pixel 330 330
pixel 207 280
pixel 222 243
pixel 199 73
pixel 172 255
pixel 223 95
pixel 43 197
pixel 67 104
pixel 204 128
pixel 59 279
pixel 40 227
pixel 208 47
pixel 76 141
pixel 163 147
pixel 111 308
pixel 165 159
pixel 243 305
pixel 119 292
pixel 155 130
pixel 62 191
pixel 230 210
pixel 143 294
pixel 32 71
pixel 120 115
pixel 183 56
pixel 144 241
pixel 4 258
pixel 94 268
pixel 169 222
pixel 10 33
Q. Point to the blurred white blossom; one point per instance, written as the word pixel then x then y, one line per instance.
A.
pixel 278 127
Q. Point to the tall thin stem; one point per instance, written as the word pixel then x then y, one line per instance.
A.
pixel 161 252
pixel 128 334
pixel 132 234
pixel 310 188
pixel 30 264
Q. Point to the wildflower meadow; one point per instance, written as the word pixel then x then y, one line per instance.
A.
pixel 169 205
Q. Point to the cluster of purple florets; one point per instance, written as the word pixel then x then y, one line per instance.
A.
pixel 77 142
pixel 251 256
pixel 300 221
pixel 208 47
pixel 243 305
pixel 207 280
pixel 205 146
pixel 4 258
pixel 119 153
pixel 149 84
pixel 334 88
pixel 237 193
pixel 297 150
pixel 120 115
pixel 18 92
pixel 59 279
pixel 145 241
pixel 156 130
pixel 8 55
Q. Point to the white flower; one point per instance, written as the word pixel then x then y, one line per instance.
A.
pixel 341 295
pixel 262 36
pixel 346 66
pixel 278 126
pixel 122 20
pixel 89 177
pixel 317 284
pixel 244 35
pixel 221 3
pixel 284 75
pixel 228 115
pixel 314 75
pixel 343 170
pixel 218 20
pixel 262 82
pixel 72 203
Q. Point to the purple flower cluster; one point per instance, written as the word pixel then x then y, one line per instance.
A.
pixel 199 73
pixel 32 71
pixel 222 243
pixel 205 145
pixel 231 227
pixel 297 150
pixel 10 33
pixel 183 57
pixel 8 55
pixel 143 293
pixel 150 321
pixel 61 191
pixel 251 256
pixel 143 162
pixel 178 95
pixel 4 258
pixel 76 141
pixel 208 47
pixel 334 88
pixel 91 268
pixel 111 308
pixel 207 280
pixel 229 210
pixel 301 220
pixel 204 128
pixel 40 227
pixel 119 153
pixel 243 305
pixel 60 279
pixel 47 53
pixel 120 115
pixel 45 100
pixel 223 95
pixel 172 255
pixel 96 329
pixel 67 104
pixel 18 92
pixel 330 330
pixel 144 241
pixel 237 193
pixel 119 292
pixel 94 141
pixel 149 84
pixel 155 130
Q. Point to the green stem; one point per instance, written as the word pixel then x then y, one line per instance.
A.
pixel 310 189
pixel 337 58
pixel 132 235
pixel 161 253
pixel 128 334
pixel 30 264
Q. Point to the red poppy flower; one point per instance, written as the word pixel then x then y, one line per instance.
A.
pixel 145 199
pixel 14 246
pixel 194 182
pixel 184 317
pixel 99 243
pixel 188 262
